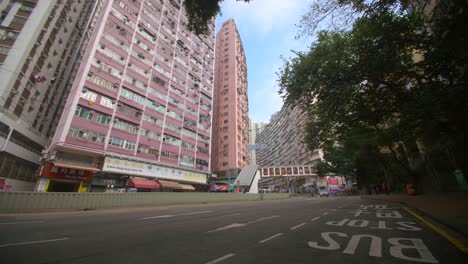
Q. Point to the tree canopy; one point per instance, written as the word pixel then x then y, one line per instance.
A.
pixel 200 12
pixel 396 77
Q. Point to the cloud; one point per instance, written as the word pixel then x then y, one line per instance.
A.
pixel 263 16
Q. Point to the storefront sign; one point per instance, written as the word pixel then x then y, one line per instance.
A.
pixel 51 171
pixel 149 170
pixel 333 181
pixel 42 184
pixel 288 171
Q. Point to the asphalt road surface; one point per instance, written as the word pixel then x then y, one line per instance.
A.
pixel 301 230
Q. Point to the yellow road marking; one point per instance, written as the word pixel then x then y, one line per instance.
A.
pixel 454 241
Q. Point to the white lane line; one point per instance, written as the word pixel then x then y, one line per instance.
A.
pixel 34 242
pixel 16 223
pixel 266 239
pixel 308 199
pixel 339 207
pixel 168 216
pixel 347 204
pixel 236 225
pixel 315 218
pixel 192 213
pixel 325 213
pixel 296 227
pixel 221 258
pixel 262 219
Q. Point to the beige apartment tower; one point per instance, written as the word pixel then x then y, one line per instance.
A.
pixel 230 116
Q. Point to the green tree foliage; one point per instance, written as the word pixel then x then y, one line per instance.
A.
pixel 396 78
pixel 200 12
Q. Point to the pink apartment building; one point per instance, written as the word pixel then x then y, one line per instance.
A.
pixel 141 102
pixel 230 120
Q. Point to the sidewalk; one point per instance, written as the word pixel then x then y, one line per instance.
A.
pixel 450 209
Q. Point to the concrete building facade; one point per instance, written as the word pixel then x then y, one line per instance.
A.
pixel 141 103
pixel 230 121
pixel 284 137
pixel 255 129
pixel 284 140
pixel 40 47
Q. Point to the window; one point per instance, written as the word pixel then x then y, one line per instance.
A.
pixel 103 119
pixel 84 112
pixel 124 125
pixel 107 102
pixel 90 96
pixel 225 163
pixel 122 143
pixel 87 135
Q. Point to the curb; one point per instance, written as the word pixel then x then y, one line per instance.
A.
pixel 411 210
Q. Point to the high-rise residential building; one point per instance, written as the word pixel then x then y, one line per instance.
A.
pixel 230 120
pixel 284 140
pixel 40 47
pixel 140 105
pixel 255 129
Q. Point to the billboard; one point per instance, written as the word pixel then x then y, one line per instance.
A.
pixel 151 170
pixel 297 170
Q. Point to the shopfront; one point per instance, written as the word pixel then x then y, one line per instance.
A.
pixel 169 178
pixel 108 183
pixel 63 178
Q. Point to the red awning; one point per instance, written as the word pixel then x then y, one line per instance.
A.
pixel 144 183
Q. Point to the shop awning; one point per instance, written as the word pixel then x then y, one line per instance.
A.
pixel 170 184
pixel 144 183
pixel 77 167
pixel 187 187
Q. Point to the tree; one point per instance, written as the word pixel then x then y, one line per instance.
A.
pixel 200 12
pixel 367 77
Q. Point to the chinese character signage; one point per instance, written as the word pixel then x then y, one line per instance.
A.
pixel 51 171
pixel 274 171
pixel 151 170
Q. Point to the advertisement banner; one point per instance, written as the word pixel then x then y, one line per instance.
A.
pixel 42 184
pixel 150 170
pixel 333 181
pixel 287 171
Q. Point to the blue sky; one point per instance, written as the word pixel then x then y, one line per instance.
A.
pixel 267 29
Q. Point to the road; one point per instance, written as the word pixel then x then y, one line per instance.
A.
pixel 300 230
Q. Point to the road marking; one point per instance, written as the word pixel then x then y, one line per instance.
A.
pixel 347 204
pixel 315 218
pixel 333 210
pixel 169 216
pixel 221 258
pixel 236 225
pixel 266 239
pixel 14 223
pixel 296 227
pixel 339 207
pixel 453 240
pixel 325 213
pixel 34 242
pixel 308 199
pixel 262 219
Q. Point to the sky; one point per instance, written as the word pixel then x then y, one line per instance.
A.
pixel 267 29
